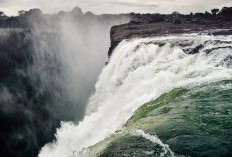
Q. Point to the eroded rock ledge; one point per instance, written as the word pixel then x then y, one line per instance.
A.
pixel 136 29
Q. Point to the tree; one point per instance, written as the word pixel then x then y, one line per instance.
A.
pixel 226 11
pixel 208 15
pixel 2 14
pixel 34 12
pixel 215 11
pixel 77 11
pixel 89 13
pixel 191 14
pixel 175 14
pixel 21 12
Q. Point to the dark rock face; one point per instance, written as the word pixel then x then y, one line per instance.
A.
pixel 195 49
pixel 32 99
pixel 36 83
pixel 13 52
pixel 26 109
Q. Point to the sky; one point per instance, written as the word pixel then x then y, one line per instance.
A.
pixel 11 7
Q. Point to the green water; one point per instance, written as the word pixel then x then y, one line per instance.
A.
pixel 128 146
pixel 193 121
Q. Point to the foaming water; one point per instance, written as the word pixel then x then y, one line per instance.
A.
pixel 141 70
pixel 154 139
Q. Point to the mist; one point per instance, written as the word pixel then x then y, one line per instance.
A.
pixel 48 73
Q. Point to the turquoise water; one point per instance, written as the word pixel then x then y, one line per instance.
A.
pixel 193 121
pixel 157 98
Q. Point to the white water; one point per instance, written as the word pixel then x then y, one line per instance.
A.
pixel 138 72
pixel 154 139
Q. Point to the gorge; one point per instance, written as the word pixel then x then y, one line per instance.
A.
pixel 165 91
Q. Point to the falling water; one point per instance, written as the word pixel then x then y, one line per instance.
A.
pixel 141 70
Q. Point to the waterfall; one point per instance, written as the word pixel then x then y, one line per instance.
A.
pixel 141 70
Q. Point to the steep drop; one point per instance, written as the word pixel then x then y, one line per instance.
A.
pixel 140 70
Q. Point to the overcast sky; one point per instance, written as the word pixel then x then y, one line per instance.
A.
pixel 11 7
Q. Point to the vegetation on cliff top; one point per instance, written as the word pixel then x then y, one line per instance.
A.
pixel 147 25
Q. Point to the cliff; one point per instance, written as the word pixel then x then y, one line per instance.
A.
pixel 148 25
pixel 193 120
pixel 35 95
pixel 24 103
